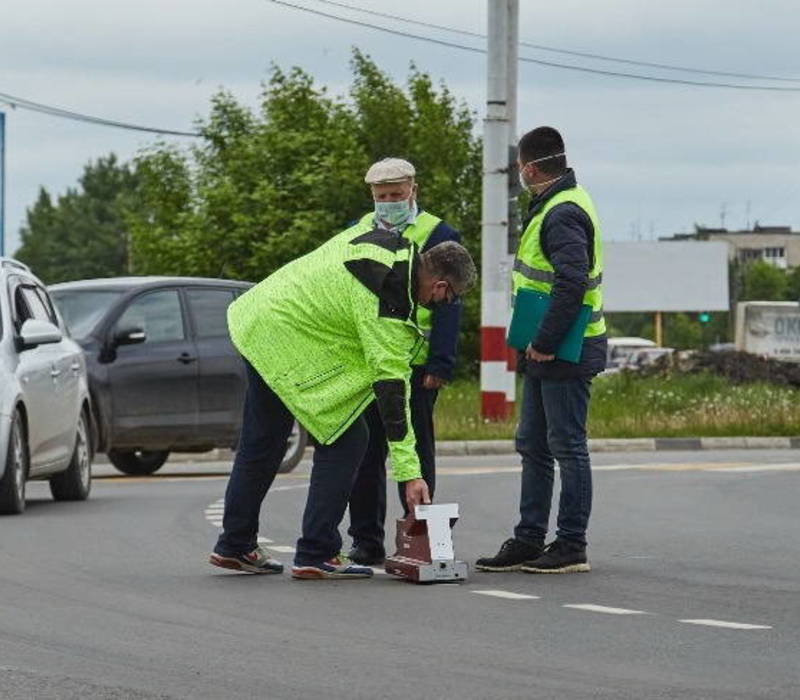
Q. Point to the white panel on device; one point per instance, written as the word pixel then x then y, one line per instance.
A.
pixel 438 517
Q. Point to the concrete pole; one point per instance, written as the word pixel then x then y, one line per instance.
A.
pixel 496 375
pixel 513 180
pixel 2 184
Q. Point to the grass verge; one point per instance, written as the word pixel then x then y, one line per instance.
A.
pixel 627 406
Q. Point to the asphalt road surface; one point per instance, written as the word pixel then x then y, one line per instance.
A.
pixel 694 593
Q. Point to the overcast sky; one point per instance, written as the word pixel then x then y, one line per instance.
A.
pixel 656 157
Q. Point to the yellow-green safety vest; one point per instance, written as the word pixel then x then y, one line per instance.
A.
pixel 418 233
pixel 532 270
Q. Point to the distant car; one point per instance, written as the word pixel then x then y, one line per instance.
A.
pixel 632 353
pixel 45 415
pixel 163 374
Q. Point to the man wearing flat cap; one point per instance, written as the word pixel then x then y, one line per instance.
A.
pixel 392 182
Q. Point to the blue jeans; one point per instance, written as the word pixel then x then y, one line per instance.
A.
pixel 266 426
pixel 552 426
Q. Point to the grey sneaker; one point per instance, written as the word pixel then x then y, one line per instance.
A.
pixel 255 562
pixel 337 567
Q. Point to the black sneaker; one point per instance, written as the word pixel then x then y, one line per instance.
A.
pixel 511 555
pixel 366 556
pixel 560 557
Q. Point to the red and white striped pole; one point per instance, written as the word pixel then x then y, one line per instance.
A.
pixel 499 127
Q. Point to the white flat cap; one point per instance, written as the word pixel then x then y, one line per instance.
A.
pixel 389 170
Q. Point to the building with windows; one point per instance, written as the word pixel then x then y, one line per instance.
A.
pixel 776 245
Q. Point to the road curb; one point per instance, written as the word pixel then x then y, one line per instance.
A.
pixel 455 448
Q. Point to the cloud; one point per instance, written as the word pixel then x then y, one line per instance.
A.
pixel 664 154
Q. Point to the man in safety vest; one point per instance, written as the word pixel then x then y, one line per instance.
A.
pixel 394 190
pixel 324 337
pixel 560 253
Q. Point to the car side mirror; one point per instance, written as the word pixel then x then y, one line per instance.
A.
pixel 35 332
pixel 129 335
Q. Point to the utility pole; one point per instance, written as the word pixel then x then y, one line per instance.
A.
pixel 497 236
pixel 2 184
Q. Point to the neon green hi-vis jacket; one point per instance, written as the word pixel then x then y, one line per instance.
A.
pixel 334 330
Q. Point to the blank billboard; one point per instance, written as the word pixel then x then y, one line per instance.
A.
pixel 665 276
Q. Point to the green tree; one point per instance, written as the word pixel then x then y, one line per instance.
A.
pixel 764 282
pixel 260 190
pixel 793 284
pixel 683 331
pixel 266 186
pixel 83 234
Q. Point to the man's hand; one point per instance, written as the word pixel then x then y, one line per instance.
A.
pixel 431 381
pixel 534 356
pixel 417 493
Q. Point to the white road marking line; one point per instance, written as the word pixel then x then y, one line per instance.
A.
pixel 216 523
pixel 724 467
pixel 728 625
pixel 507 594
pixel 264 540
pixel 288 487
pixel 282 548
pixel 214 511
pixel 378 571
pixel 604 609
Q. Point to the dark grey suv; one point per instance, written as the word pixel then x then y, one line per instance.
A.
pixel 163 374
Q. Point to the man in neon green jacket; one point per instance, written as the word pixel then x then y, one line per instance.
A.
pixel 323 337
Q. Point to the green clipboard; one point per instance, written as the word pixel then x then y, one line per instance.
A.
pixel 530 308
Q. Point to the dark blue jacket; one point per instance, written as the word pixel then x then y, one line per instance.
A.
pixel 446 317
pixel 567 238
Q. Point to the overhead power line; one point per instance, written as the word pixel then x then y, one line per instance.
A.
pixel 22 103
pixel 552 49
pixel 527 59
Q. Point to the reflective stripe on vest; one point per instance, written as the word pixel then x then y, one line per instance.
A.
pixel 533 270
pixel 549 277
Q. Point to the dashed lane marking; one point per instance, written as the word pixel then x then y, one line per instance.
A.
pixel 214 512
pixel 507 594
pixel 727 625
pixel 605 609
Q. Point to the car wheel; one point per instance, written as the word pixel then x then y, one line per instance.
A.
pixel 12 484
pixel 138 462
pixel 295 449
pixel 75 483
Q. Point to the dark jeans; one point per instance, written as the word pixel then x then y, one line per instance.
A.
pixel 266 426
pixel 552 425
pixel 368 497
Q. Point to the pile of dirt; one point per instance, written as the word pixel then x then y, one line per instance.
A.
pixel 738 367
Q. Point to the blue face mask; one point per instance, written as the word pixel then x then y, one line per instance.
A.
pixel 394 213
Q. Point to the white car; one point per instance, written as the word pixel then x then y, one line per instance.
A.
pixel 45 416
